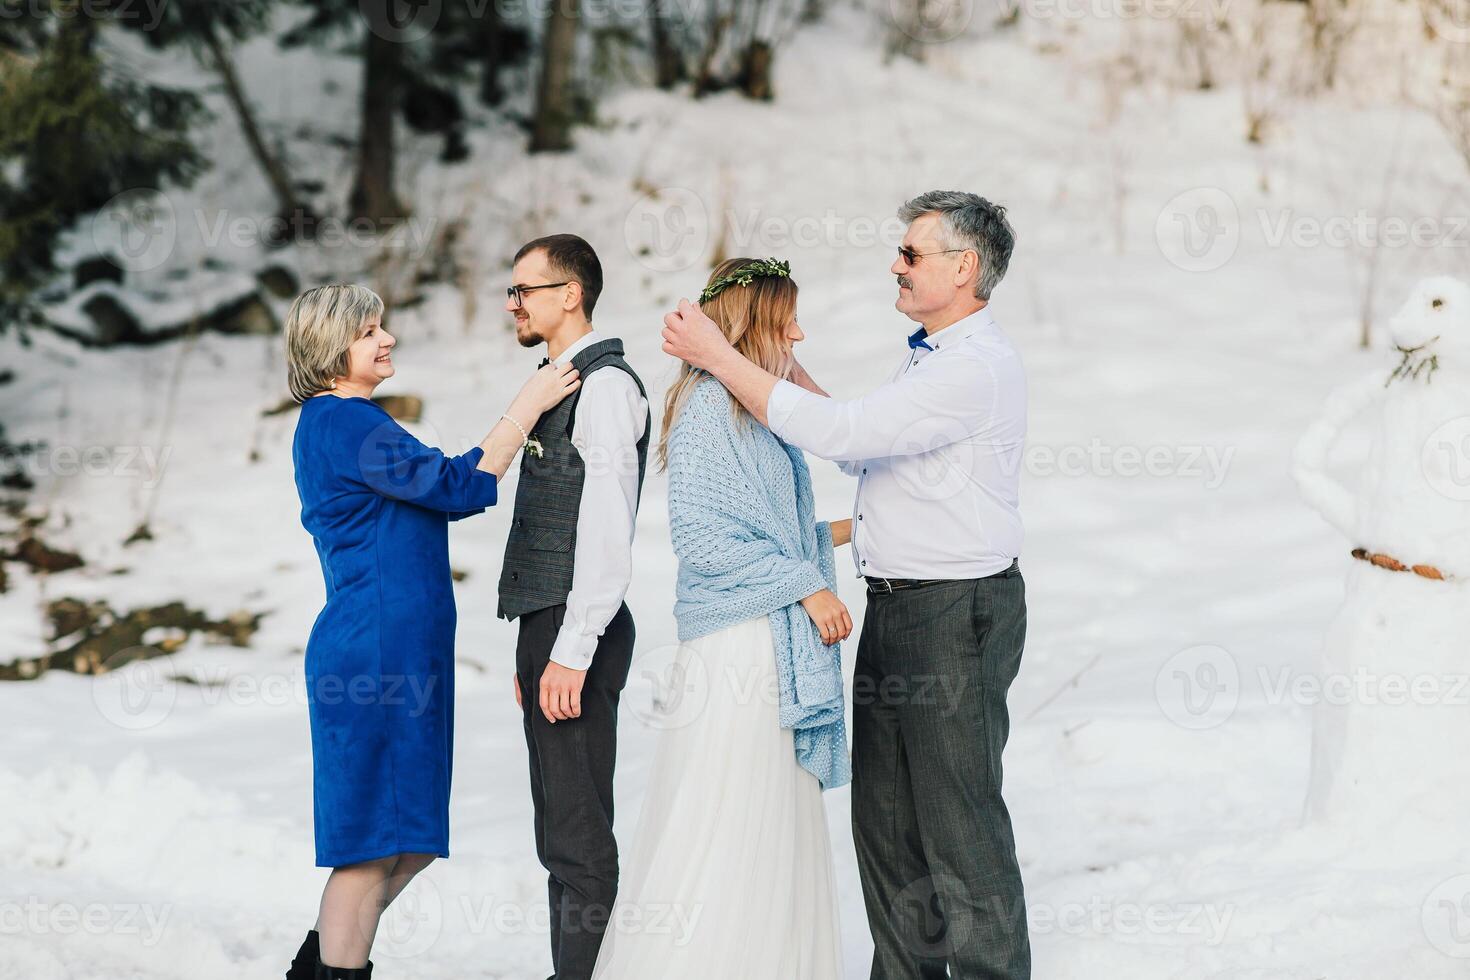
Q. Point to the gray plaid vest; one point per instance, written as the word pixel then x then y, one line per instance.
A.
pixel 543 532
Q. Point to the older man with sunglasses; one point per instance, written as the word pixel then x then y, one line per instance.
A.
pixel 937 535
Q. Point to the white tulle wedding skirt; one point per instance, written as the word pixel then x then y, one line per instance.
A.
pixel 730 873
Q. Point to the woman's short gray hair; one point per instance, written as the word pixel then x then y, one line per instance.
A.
pixel 322 324
pixel 969 221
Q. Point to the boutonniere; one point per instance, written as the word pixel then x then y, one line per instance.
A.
pixel 533 446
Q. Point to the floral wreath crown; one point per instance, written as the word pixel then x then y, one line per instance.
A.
pixel 745 275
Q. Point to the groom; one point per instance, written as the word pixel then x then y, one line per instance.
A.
pixel 568 563
pixel 936 533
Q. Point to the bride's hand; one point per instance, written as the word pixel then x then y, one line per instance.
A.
pixel 830 615
pixel 542 391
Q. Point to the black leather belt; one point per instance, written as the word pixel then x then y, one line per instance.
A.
pixel 886 586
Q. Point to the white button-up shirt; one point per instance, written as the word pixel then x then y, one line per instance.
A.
pixel 937 452
pixel 611 417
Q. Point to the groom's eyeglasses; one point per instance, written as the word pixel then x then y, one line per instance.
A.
pixel 910 257
pixel 514 292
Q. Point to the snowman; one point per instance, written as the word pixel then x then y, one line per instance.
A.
pixel 1391 722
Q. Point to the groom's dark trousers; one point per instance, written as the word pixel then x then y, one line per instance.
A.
pixel 572 786
pixel 934 844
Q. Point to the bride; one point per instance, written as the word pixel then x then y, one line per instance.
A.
pixel 730 875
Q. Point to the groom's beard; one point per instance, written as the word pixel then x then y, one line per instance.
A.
pixel 526 334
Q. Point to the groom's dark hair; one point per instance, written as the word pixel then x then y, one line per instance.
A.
pixel 570 257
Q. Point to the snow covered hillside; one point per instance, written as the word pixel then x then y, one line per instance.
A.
pixel 1183 301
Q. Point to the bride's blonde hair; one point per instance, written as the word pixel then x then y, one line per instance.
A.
pixel 753 318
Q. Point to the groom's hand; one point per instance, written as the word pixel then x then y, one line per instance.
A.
pixel 693 337
pixel 561 692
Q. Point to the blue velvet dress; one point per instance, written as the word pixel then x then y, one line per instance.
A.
pixel 380 660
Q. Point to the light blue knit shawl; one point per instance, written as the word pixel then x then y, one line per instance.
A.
pixel 742 520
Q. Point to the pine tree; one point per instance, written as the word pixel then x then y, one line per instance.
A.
pixel 74 133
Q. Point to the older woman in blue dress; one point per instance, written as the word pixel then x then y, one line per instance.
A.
pixel 380 660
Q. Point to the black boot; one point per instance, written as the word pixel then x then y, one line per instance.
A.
pixel 303 967
pixel 324 972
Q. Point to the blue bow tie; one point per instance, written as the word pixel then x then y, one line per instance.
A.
pixel 916 340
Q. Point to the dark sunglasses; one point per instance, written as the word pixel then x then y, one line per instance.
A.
pixel 514 292
pixel 911 257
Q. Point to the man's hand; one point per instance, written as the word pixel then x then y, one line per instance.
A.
pixel 693 337
pixel 561 692
pixel 517 679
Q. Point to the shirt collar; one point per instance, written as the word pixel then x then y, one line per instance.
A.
pixel 580 345
pixel 954 333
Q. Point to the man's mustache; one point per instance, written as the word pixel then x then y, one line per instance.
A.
pixel 906 282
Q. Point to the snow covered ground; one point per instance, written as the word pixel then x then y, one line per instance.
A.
pixel 153 828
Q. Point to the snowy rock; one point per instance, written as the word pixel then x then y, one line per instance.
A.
pixel 278 281
pixel 97 268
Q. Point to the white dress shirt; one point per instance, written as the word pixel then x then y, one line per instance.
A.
pixel 611 417
pixel 937 452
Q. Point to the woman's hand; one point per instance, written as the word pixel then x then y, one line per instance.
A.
pixel 542 391
pixel 545 388
pixel 841 532
pixel 830 615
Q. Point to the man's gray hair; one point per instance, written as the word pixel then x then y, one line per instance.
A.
pixel 969 221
